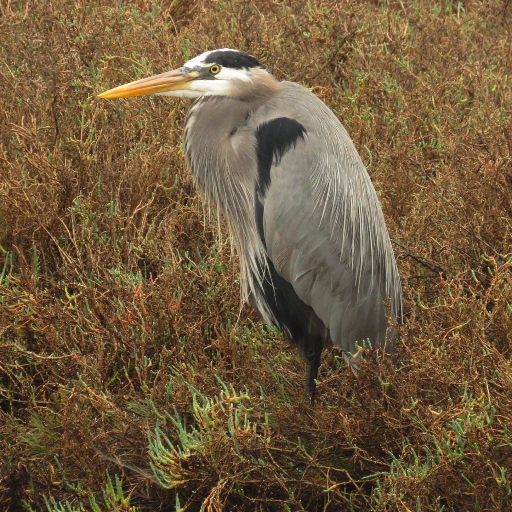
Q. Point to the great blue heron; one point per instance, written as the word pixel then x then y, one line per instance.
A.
pixel 315 254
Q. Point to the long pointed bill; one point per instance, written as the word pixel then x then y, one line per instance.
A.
pixel 174 80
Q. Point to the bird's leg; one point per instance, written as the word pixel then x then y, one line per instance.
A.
pixel 313 354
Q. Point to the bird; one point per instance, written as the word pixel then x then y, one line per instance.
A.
pixel 316 260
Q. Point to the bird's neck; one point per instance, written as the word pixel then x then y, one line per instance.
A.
pixel 262 87
pixel 220 152
pixel 210 140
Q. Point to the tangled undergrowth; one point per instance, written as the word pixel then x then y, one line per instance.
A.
pixel 129 377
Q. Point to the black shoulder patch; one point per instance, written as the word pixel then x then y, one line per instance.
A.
pixel 232 59
pixel 258 216
pixel 273 139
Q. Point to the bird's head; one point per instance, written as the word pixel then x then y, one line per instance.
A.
pixel 222 72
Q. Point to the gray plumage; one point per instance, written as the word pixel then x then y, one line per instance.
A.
pixel 315 255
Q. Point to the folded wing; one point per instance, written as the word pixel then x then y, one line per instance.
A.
pixel 321 223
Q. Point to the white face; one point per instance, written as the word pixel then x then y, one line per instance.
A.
pixel 222 83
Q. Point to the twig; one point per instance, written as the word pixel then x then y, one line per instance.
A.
pixel 434 267
pixel 33 354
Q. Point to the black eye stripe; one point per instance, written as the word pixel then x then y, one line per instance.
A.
pixel 232 59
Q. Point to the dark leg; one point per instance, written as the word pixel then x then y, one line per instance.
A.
pixel 313 354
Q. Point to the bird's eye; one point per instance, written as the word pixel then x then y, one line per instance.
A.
pixel 214 69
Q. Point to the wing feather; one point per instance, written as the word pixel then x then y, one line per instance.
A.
pixel 323 227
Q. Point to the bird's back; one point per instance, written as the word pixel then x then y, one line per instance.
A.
pixel 321 221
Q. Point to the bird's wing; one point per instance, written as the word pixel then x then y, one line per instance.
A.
pixel 320 220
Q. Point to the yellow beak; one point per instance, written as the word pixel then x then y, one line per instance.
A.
pixel 174 80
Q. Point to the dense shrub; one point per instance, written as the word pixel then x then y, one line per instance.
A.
pixel 129 377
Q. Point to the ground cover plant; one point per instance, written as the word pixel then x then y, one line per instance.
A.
pixel 131 379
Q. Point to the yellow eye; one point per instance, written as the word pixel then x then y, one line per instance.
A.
pixel 214 69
